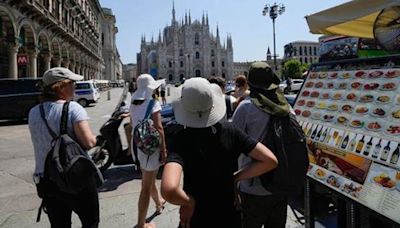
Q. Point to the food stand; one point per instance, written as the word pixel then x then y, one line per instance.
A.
pixel 350 113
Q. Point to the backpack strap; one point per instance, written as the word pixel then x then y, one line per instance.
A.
pixel 64 119
pixel 149 109
pixel 52 133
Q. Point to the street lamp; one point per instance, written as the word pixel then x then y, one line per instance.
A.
pixel 273 10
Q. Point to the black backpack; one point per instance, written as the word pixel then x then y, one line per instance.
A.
pixel 67 165
pixel 285 138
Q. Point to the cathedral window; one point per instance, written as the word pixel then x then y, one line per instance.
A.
pixel 223 63
pixel 181 63
pixel 198 73
pixel 212 64
pixel 170 77
pixel 212 53
pixel 196 39
pixel 223 75
pixel 170 64
pixel 180 52
pixel 197 55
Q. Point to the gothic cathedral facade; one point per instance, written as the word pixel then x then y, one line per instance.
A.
pixel 186 49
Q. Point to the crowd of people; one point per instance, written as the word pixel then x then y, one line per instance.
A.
pixel 216 149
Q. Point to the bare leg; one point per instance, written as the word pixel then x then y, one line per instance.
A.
pixel 148 179
pixel 158 200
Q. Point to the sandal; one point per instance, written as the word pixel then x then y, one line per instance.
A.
pixel 160 208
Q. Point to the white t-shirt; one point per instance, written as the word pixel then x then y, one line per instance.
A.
pixel 137 112
pixel 40 135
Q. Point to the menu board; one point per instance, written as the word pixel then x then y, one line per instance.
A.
pixel 352 122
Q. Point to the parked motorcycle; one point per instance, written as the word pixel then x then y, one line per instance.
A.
pixel 109 149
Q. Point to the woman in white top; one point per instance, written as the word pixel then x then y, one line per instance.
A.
pixel 149 163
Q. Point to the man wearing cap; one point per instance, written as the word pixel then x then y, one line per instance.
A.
pixel 58 87
pixel 266 99
pixel 205 151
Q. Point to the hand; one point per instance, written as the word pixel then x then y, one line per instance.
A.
pixel 124 115
pixel 186 213
pixel 163 156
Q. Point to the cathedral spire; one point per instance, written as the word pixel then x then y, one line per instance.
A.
pixel 190 18
pixel 203 19
pixel 207 19
pixel 186 18
pixel 173 12
pixel 217 32
pixel 269 56
pixel 159 36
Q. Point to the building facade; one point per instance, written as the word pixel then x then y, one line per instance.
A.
pixel 129 72
pixel 113 64
pixel 304 51
pixel 186 49
pixel 36 35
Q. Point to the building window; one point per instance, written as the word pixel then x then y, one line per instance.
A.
pixel 305 60
pixel 311 60
pixel 301 60
pixel 300 50
pixel 170 64
pixel 181 63
pixel 212 64
pixel 198 73
pixel 305 50
pixel 170 77
pixel 310 50
pixel 197 55
pixel 180 52
pixel 223 75
pixel 196 39
pixel 315 51
pixel 212 53
pixel 223 63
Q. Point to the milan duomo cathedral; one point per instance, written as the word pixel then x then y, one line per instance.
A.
pixel 186 49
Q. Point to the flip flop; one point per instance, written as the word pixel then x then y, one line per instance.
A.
pixel 160 208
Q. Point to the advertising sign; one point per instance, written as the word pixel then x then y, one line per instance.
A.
pixel 351 117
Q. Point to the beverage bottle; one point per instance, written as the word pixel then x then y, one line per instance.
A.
pixel 395 155
pixel 328 138
pixel 309 130
pixel 319 134
pixel 385 152
pixel 377 149
pixel 323 136
pixel 368 147
pixel 314 133
pixel 345 141
pixel 360 145
pixel 305 127
pixel 352 144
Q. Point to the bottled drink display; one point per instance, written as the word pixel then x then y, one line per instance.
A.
pixel 314 133
pixel 309 130
pixel 395 156
pixel 318 134
pixel 352 144
pixel 345 141
pixel 385 152
pixel 360 145
pixel 323 136
pixel 368 147
pixel 377 149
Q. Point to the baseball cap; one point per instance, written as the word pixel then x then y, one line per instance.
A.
pixel 57 74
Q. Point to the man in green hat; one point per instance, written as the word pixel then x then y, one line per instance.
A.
pixel 260 207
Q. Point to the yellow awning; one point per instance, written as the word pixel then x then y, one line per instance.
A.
pixel 355 18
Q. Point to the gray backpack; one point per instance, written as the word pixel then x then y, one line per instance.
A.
pixel 67 165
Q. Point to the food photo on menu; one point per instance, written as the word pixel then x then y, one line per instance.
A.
pixel 384 177
pixel 347 165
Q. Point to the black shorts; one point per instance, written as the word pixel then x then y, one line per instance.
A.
pixel 162 93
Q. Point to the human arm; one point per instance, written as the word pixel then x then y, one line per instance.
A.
pixel 173 192
pixel 263 161
pixel 156 117
pixel 84 134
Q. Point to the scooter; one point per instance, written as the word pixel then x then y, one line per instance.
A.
pixel 108 149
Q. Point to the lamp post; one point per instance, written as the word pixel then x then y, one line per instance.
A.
pixel 273 10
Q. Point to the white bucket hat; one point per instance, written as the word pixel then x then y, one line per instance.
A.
pixel 201 104
pixel 57 74
pixel 145 85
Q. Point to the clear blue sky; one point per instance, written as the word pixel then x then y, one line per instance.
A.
pixel 251 32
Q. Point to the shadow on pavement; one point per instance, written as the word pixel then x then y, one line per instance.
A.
pixel 118 175
pixel 13 122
